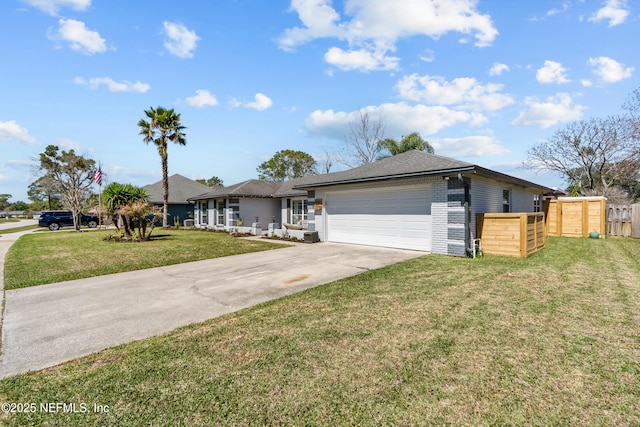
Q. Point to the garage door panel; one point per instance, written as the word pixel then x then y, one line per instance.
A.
pixel 393 218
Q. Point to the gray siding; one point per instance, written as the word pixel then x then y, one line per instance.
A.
pixel 264 209
pixel 486 197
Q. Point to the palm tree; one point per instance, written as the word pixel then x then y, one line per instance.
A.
pixel 413 141
pixel 117 196
pixel 163 125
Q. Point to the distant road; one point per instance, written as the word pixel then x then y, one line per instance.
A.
pixel 22 223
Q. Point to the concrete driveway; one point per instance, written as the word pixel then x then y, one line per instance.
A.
pixel 50 324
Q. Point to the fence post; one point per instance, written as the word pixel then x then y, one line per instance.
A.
pixel 523 235
pixel 603 218
pixel 559 219
pixel 635 221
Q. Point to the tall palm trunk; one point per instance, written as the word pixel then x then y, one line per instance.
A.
pixel 163 126
pixel 165 190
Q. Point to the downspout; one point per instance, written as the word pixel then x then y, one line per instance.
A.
pixel 467 214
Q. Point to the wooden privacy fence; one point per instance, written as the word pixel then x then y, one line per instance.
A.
pixel 512 234
pixel 575 216
pixel 623 220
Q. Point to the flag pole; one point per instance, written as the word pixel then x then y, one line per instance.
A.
pixel 97 177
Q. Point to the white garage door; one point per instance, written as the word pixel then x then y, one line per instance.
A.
pixel 396 218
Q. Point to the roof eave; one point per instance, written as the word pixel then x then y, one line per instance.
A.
pixel 387 177
pixel 508 178
pixel 229 195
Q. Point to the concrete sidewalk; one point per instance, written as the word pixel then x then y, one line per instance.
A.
pixel 21 223
pixel 6 240
pixel 47 325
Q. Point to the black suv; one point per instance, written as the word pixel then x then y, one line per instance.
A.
pixel 56 219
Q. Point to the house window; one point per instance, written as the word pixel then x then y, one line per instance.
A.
pixel 298 211
pixel 506 200
pixel 537 203
pixel 220 210
pixel 203 213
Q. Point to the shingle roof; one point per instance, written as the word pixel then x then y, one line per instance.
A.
pixel 406 165
pixel 254 188
pixel 287 189
pixel 249 188
pixel 180 190
pixel 410 164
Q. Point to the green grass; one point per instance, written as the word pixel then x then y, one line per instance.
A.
pixel 5 220
pixel 549 340
pixel 36 259
pixel 18 229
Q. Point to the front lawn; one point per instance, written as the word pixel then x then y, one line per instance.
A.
pixel 36 259
pixel 549 340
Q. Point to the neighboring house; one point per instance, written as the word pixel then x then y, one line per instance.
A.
pixel 413 200
pixel 555 195
pixel 12 214
pixel 180 190
pixel 249 202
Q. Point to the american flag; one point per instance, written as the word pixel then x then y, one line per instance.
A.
pixel 97 177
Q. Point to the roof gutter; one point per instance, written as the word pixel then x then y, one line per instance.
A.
pixel 229 196
pixel 455 171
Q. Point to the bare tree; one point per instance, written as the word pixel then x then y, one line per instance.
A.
pixel 632 105
pixel 71 176
pixel 594 154
pixel 362 142
pixel 327 161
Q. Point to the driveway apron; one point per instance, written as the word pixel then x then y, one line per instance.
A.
pixel 50 324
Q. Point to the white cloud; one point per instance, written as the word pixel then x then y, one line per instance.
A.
pixel 203 98
pixel 180 41
pixel 428 56
pixel 319 20
pixel 11 131
pixel 464 92
pixel 554 110
pixel 113 86
pixel 615 11
pixel 565 7
pixel 390 20
pixel 52 7
pixel 609 70
pixel 376 25
pixel 79 37
pixel 399 118
pixel 552 72
pixel 362 59
pixel 261 102
pixel 498 68
pixel 470 146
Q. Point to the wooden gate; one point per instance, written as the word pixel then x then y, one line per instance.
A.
pixel 623 220
pixel 575 216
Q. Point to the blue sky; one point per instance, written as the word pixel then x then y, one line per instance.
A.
pixel 482 81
